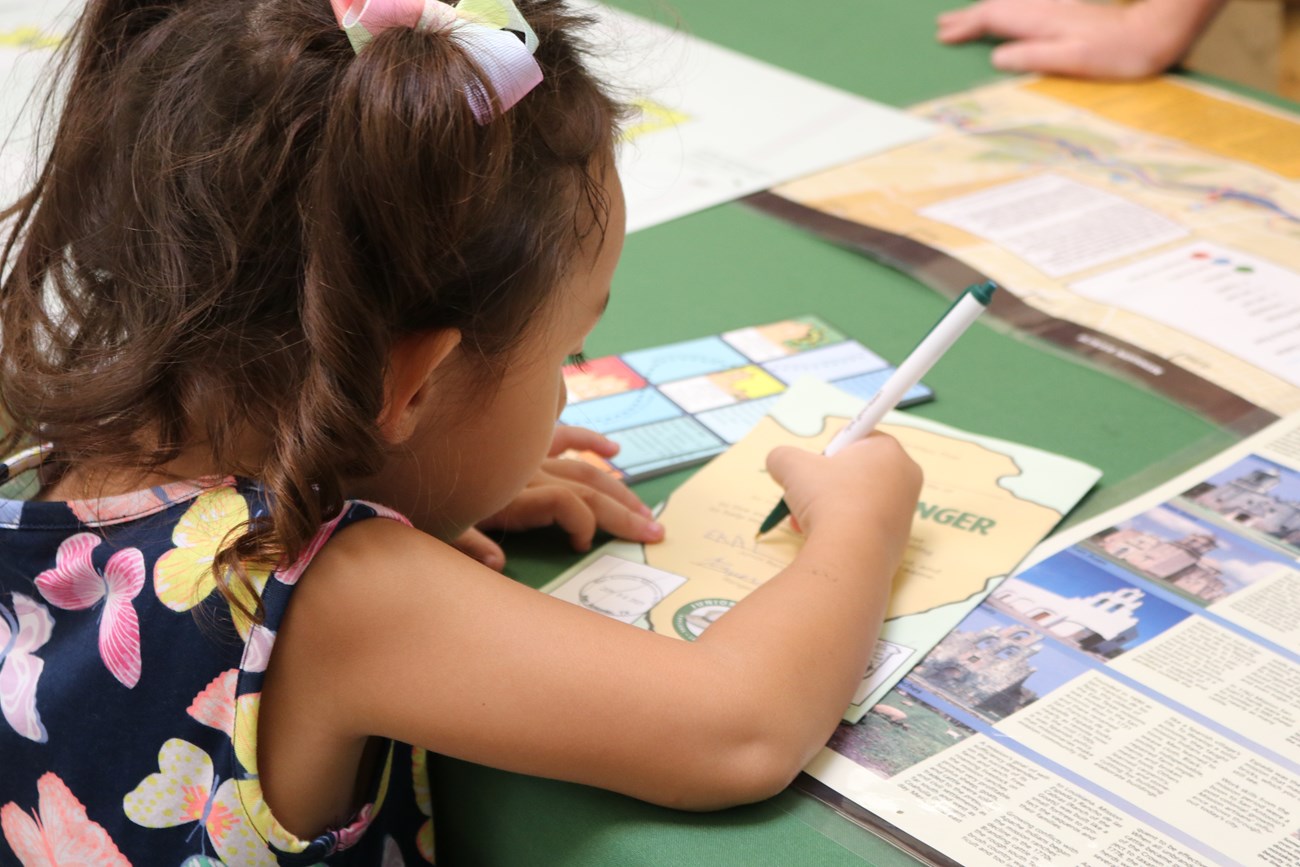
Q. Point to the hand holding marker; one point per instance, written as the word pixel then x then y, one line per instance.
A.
pixel 958 317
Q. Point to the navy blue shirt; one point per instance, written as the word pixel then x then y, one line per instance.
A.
pixel 130 687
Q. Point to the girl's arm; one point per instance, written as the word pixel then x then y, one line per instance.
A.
pixel 395 634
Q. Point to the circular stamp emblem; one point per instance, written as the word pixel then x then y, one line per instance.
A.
pixel 695 617
pixel 620 596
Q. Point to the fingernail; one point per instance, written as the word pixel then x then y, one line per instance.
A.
pixel 645 510
pixel 494 561
pixel 654 530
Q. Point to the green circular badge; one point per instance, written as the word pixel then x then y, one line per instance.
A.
pixel 695 617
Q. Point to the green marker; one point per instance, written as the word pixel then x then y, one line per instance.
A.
pixel 954 322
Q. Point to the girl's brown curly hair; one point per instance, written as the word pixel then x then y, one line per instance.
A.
pixel 237 218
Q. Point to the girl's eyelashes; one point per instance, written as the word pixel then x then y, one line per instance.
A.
pixel 577 360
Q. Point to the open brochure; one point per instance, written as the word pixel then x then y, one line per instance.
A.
pixel 1153 227
pixel 1130 697
pixel 985 504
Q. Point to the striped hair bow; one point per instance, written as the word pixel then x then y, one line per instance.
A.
pixel 492 32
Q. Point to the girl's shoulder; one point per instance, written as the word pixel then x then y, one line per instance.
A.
pixel 357 574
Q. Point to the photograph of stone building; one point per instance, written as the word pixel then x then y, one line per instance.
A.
pixel 1191 556
pixel 984 671
pixel 1182 562
pixel 992 666
pixel 1254 494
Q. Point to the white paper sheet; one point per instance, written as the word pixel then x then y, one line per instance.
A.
pixel 714 125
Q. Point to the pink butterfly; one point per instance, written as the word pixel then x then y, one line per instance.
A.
pixel 74 584
pixel 215 704
pixel 60 834
pixel 22 633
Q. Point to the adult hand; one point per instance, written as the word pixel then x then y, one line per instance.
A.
pixel 1069 37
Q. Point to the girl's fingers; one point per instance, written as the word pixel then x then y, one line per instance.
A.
pixel 613 517
pixel 580 438
pixel 578 497
pixel 582 473
pixel 579 512
pixel 552 504
pixel 475 544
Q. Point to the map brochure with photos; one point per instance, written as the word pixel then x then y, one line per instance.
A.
pixel 1129 696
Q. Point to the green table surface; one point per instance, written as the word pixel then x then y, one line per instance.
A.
pixel 729 267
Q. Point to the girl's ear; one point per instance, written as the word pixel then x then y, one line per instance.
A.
pixel 409 380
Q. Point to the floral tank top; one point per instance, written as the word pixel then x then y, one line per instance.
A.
pixel 130 688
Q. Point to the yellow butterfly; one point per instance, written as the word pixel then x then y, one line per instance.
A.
pixel 185 790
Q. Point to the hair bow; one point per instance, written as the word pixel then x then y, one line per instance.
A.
pixel 492 32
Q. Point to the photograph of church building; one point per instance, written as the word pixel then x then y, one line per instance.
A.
pixel 1076 599
pixel 985 671
pixel 992 666
pixel 1257 495
pixel 1196 559
pixel 1101 624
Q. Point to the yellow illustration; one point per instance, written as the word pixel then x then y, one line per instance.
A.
pixel 749 382
pixel 652 117
pixel 28 37
pixel 794 334
pixel 1166 108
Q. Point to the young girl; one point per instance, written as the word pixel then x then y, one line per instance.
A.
pixel 283 319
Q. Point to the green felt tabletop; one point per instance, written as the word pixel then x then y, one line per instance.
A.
pixel 729 267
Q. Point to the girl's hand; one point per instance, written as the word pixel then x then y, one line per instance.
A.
pixel 577 496
pixel 868 483
pixel 1067 37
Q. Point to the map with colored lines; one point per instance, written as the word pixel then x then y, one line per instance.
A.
pixel 1156 222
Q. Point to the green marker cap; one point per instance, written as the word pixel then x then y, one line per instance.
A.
pixel 983 292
